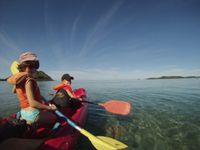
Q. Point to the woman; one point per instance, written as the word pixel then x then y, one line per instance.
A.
pixel 33 107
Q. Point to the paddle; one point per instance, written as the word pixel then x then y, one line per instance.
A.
pixel 112 106
pixel 14 67
pixel 99 142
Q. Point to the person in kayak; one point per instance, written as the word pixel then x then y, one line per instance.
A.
pixel 65 95
pixel 33 106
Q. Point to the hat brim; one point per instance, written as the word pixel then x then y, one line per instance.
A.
pixel 27 56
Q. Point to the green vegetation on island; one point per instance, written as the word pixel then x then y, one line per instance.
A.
pixel 39 76
pixel 173 77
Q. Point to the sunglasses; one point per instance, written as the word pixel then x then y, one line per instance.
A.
pixel 33 64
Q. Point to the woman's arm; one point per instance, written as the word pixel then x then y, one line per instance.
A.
pixel 32 101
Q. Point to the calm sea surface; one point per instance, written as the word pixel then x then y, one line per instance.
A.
pixel 165 114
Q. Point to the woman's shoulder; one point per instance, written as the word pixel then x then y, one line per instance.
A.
pixel 17 78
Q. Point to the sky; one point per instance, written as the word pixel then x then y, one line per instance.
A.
pixel 103 39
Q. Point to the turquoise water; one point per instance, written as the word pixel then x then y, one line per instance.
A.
pixel 165 114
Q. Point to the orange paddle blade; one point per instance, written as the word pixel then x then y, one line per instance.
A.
pixel 117 107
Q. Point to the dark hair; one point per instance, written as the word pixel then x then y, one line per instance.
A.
pixel 30 64
pixel 67 77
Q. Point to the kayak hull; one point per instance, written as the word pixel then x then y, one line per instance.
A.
pixel 66 138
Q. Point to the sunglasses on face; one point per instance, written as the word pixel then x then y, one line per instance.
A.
pixel 33 65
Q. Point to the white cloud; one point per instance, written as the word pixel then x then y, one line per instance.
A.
pixel 8 42
pixel 95 34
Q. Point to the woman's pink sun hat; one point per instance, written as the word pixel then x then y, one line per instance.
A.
pixel 27 56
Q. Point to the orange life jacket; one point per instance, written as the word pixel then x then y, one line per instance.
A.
pixel 64 86
pixel 19 80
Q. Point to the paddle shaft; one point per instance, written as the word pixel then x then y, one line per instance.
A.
pixel 68 120
pixel 90 102
pixel 96 141
pixel 85 132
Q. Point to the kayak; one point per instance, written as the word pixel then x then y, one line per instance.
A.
pixel 61 136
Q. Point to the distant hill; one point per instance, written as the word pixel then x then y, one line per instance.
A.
pixel 39 76
pixel 173 77
pixel 2 79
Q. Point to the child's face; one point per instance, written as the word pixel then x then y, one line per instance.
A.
pixel 65 81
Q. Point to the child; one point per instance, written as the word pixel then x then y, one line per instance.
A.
pixel 65 95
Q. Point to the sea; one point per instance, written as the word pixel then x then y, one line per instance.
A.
pixel 165 113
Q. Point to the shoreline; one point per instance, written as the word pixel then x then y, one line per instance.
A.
pixel 174 77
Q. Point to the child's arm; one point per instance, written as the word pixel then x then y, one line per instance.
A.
pixel 72 95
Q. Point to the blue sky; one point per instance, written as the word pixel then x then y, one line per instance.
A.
pixel 103 39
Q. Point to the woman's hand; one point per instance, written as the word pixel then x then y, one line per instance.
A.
pixel 52 107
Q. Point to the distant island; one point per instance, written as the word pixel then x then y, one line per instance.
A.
pixel 2 79
pixel 173 77
pixel 39 76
